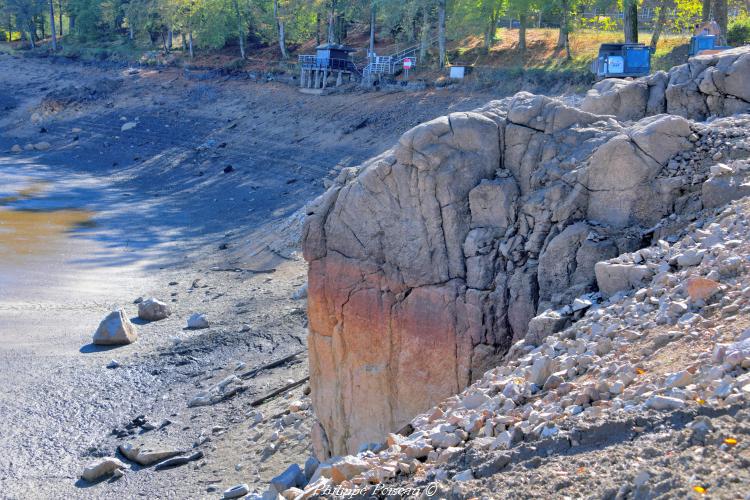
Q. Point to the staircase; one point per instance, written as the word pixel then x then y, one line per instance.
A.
pixel 389 65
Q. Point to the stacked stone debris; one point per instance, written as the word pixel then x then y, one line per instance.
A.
pixel 676 340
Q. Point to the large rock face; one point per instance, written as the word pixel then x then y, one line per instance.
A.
pixel 428 261
pixel 715 84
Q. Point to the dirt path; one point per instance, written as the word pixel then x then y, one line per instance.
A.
pixel 206 189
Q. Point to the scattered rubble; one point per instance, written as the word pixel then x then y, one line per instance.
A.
pixel 605 373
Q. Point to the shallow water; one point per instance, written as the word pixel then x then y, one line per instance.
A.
pixel 35 226
pixel 57 275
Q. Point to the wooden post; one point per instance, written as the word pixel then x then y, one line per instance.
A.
pixel 302 77
pixel 339 80
pixel 325 78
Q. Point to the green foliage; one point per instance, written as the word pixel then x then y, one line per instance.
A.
pixel 598 23
pixel 121 28
pixel 89 15
pixel 688 12
pixel 739 30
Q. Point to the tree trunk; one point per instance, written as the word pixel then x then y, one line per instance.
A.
pixel 32 34
pixel 71 22
pixel 330 21
pixel 630 21
pixel 280 27
pixel 489 34
pixel 372 26
pixel 190 42
pixel 59 15
pixel 706 11
pixel 170 36
pixel 523 19
pixel 721 17
pixel 317 28
pixel 441 31
pixel 660 21
pixel 131 32
pixel 425 34
pixel 562 39
pixel 52 25
pixel 240 31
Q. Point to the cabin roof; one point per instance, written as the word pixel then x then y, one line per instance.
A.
pixel 335 46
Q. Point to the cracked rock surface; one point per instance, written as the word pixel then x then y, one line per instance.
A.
pixel 427 262
pixel 636 399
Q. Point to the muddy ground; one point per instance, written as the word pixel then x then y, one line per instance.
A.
pixel 199 204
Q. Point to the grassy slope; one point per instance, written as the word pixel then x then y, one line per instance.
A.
pixel 504 57
pixel 541 49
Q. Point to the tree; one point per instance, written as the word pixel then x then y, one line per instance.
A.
pixel 280 26
pixel 426 13
pixel 240 28
pixel 630 20
pixel 521 8
pixel 25 13
pixel 373 19
pixel 660 22
pixel 563 40
pixel 720 15
pixel 491 10
pixel 441 32
pixel 52 24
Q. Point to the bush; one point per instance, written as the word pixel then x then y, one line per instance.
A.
pixel 739 31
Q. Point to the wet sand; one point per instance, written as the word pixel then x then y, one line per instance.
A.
pixel 48 237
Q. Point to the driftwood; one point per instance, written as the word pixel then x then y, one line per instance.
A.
pixel 242 270
pixel 273 364
pixel 279 391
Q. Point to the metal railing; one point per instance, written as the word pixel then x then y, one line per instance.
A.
pixel 388 65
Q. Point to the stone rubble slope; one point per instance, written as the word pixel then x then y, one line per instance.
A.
pixel 677 342
pixel 707 85
pixel 430 260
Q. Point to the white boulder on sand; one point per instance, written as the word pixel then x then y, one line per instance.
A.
pixel 197 321
pixel 153 310
pixel 115 329
pixel 102 468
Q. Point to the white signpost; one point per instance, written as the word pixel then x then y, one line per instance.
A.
pixel 408 64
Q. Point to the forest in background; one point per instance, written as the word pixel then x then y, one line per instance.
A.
pixel 248 25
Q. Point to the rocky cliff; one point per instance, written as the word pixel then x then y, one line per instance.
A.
pixel 427 262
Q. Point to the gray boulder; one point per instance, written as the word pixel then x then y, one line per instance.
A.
pixel 115 329
pixel 719 190
pixel 292 477
pixel 614 277
pixel 101 468
pixel 153 310
pixel 197 321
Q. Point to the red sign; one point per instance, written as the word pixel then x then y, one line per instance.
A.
pixel 408 63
